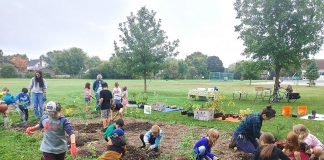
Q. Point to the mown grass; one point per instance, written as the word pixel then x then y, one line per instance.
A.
pixel 172 92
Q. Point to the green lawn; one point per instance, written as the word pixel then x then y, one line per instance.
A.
pixel 172 92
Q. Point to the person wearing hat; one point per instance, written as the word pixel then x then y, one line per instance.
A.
pixel 55 125
pixel 116 146
pixel 151 140
pixel 109 131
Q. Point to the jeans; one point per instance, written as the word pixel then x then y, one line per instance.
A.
pixel 97 98
pixel 245 144
pixel 38 101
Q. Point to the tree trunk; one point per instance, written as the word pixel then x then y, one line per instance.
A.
pixel 276 85
pixel 250 81
pixel 144 82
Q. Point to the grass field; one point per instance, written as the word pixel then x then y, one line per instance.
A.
pixel 172 92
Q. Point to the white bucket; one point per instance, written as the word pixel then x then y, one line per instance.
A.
pixel 147 109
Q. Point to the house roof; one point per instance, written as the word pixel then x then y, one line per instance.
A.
pixel 33 62
pixel 320 63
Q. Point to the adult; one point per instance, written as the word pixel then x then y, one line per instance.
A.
pixel 245 135
pixel 38 88
pixel 97 87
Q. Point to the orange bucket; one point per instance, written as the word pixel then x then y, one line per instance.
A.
pixel 286 110
pixel 302 110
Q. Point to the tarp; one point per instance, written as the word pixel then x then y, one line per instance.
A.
pixel 319 117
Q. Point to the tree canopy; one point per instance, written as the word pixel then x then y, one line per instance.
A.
pixel 283 32
pixel 69 61
pixel 214 64
pixel 198 65
pixel 145 46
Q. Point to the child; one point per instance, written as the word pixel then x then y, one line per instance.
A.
pixel 54 144
pixel 3 110
pixel 116 146
pixel 105 102
pixel 87 95
pixel 317 148
pixel 268 150
pixel 118 107
pixel 3 107
pixel 119 124
pixel 292 148
pixel 151 140
pixel 7 98
pixel 125 98
pixel 202 148
pixel 117 94
pixel 23 101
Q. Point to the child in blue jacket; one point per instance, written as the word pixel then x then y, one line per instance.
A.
pixel 202 148
pixel 151 140
pixel 23 101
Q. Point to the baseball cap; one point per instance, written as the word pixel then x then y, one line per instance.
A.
pixel 118 132
pixel 51 106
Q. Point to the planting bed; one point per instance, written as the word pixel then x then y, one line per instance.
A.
pixel 90 142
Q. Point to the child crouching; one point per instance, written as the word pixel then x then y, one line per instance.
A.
pixel 54 144
pixel 152 139
pixel 116 146
pixel 202 148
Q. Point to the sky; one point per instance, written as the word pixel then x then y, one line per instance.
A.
pixel 35 27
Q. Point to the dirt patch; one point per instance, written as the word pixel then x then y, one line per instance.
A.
pixel 87 128
pixel 134 153
pixel 138 126
pixel 82 139
pixel 180 158
pixel 21 127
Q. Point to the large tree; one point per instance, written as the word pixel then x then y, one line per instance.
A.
pixel 197 63
pixel 145 45
pixel 70 61
pixel 312 71
pixel 170 70
pixel 283 32
pixel 183 69
pixel 249 70
pixel 214 64
pixel 20 62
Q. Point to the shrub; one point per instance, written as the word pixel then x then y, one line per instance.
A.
pixel 8 71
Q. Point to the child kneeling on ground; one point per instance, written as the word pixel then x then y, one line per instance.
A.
pixel 202 148
pixel 268 150
pixel 54 144
pixel 152 139
pixel 109 131
pixel 116 146
pixel 293 148
pixel 317 148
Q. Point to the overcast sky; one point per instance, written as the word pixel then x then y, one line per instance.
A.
pixel 34 27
